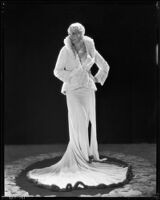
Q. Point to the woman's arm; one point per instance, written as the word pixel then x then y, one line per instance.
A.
pixel 103 66
pixel 60 68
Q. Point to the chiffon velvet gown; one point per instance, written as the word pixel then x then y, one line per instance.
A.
pixel 79 88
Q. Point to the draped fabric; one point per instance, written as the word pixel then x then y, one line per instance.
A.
pixel 74 165
pixel 79 87
pixel 68 66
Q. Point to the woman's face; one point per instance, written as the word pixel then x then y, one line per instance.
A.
pixel 76 37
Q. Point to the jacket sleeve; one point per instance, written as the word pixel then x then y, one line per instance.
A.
pixel 60 68
pixel 101 63
pixel 103 66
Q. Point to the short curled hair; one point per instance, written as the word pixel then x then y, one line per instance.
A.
pixel 76 27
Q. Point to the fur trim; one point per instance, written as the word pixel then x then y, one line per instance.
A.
pixel 68 44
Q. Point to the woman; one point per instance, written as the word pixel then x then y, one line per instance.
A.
pixel 81 162
pixel 73 68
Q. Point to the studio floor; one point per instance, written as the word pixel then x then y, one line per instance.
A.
pixel 146 153
pixel 14 152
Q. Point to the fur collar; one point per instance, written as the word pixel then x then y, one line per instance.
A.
pixel 68 44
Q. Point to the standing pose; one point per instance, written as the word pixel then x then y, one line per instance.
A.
pixel 81 161
pixel 73 68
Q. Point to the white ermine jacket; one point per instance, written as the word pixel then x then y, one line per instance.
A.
pixel 75 74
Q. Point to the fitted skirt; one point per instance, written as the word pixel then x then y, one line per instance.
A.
pixel 81 111
pixel 74 166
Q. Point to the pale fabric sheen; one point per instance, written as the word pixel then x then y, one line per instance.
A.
pixel 80 89
pixel 68 66
pixel 74 165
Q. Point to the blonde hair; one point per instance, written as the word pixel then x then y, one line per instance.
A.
pixel 76 27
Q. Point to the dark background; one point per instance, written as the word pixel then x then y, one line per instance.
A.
pixel 125 35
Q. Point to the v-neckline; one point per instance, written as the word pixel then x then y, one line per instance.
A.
pixel 86 54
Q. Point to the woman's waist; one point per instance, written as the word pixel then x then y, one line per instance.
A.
pixel 80 81
pixel 70 86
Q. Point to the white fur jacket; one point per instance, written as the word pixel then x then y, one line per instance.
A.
pixel 75 74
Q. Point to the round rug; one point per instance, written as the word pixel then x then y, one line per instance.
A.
pixel 140 181
pixel 25 183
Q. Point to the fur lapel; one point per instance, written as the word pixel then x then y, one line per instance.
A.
pixel 68 44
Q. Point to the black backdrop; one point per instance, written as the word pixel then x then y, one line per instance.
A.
pixel 125 35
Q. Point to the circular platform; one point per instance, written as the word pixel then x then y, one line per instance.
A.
pixel 140 180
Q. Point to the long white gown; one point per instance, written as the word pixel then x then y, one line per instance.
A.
pixel 74 166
